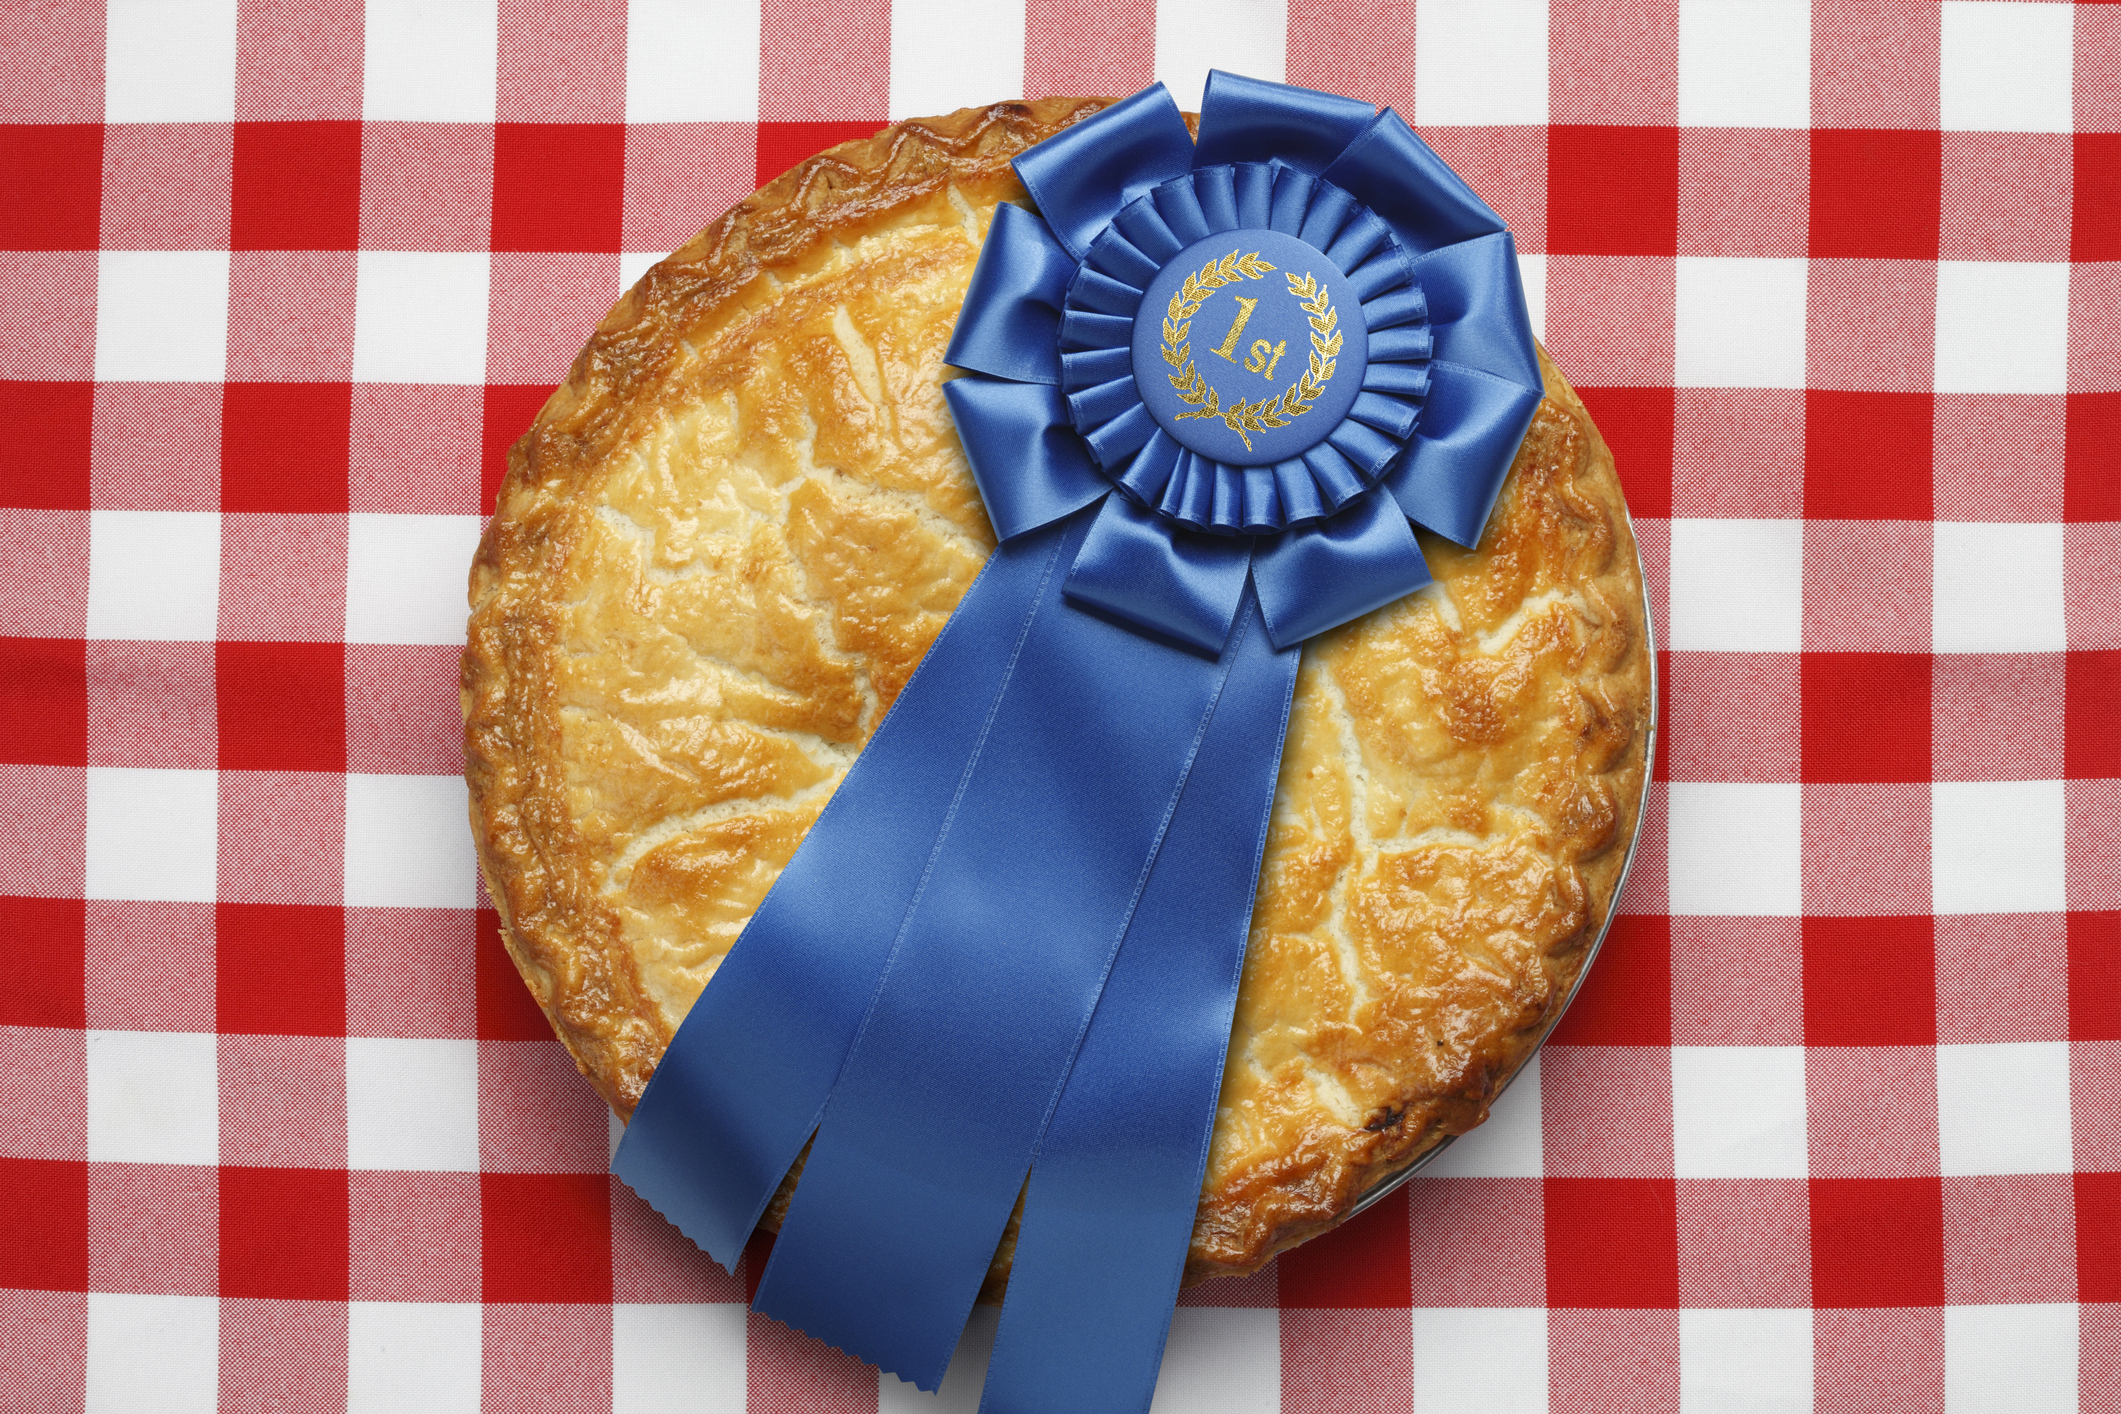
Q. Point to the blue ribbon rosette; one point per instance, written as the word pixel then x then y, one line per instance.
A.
pixel 1206 391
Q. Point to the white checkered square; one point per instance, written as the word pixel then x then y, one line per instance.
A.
pixel 1221 1360
pixel 1998 588
pixel 1737 586
pixel 1998 847
pixel 154 1097
pixel 2003 1108
pixel 1492 1360
pixel 1745 63
pixel 1508 1145
pixel 2002 326
pixel 420 317
pixel 1532 269
pixel 161 316
pixel 1247 37
pixel 681 1357
pixel 407 844
pixel 169 63
pixel 1480 63
pixel 2010 1359
pixel 154 575
pixel 405 577
pixel 959 1392
pixel 1740 322
pixel 1736 849
pixel 159 1353
pixel 431 61
pixel 689 62
pixel 633 264
pixel 946 55
pixel 1738 1112
pixel 412 1105
pixel 412 1357
pixel 1756 1361
pixel 152 834
pixel 2004 67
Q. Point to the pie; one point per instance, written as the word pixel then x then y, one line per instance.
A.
pixel 731 535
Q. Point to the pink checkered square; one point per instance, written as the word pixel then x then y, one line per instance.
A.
pixel 278 1355
pixel 2094 835
pixel 545 1357
pixel 297 59
pixel 2092 584
pixel 2098 1351
pixel 44 1343
pixel 1874 64
pixel 2010 1238
pixel 1738 452
pixel 151 704
pixel 1732 717
pixel 1649 889
pixel 2006 196
pixel 1886 1358
pixel 787 1372
pixel 1867 586
pixel 1737 981
pixel 1997 716
pixel 680 177
pixel 653 1261
pixel 1599 1361
pixel 2095 327
pixel 2097 93
pixel 1866 850
pixel 2095 1105
pixel 426 186
pixel 50 297
pixel 283 1101
pixel 170 942
pixel 802 38
pixel 166 186
pixel 562 64
pixel 43 831
pixel 415 449
pixel 283 837
pixel 1597 349
pixel 1478 1241
pixel 2002 977
pixel 1999 456
pixel 47 1113
pixel 1346 1362
pixel 535 1114
pixel 544 307
pixel 1607 1111
pixel 1260 1291
pixel 415 974
pixel 1870 325
pixel 1356 47
pixel 1613 63
pixel 44 563
pixel 291 317
pixel 283 578
pixel 1871 1111
pixel 401 710
pixel 1745 1242
pixel 51 70
pixel 156 447
pixel 413 1236
pixel 1744 191
pixel 154 1229
pixel 1508 167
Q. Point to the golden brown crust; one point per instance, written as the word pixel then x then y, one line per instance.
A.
pixel 733 532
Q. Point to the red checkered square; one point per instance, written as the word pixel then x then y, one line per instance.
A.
pixel 1735 452
pixel 783 144
pixel 1744 1242
pixel 2095 328
pixel 1477 1242
pixel 787 1372
pixel 45 438
pixel 43 1334
pixel 413 1236
pixel 2010 1238
pixel 2091 491
pixel 426 186
pixel 1870 982
pixel 506 416
pixel 281 970
pixel 1612 64
pixel 2000 456
pixel 1737 982
pixel 298 59
pixel 1733 717
pixel 1871 1111
pixel 166 186
pixel 401 713
pixel 43 829
pixel 283 447
pixel 50 298
pixel 170 942
pixel 1866 716
pixel 1079 46
pixel 53 198
pixel 2092 585
pixel 1866 850
pixel 44 701
pixel 415 449
pixel 547 1236
pixel 544 306
pixel 45 969
pixel 2093 826
pixel 1867 456
pixel 2095 231
pixel 2006 196
pixel 281 1354
pixel 1612 1242
pixel 1867 586
pixel 1507 166
pixel 1639 424
pixel 1875 194
pixel 1612 191
pixel 1607 1360
pixel 558 186
pixel 282 837
pixel 682 176
pixel 1341 1360
pixel 414 976
pixel 1862 318
pixel 535 1114
pixel 291 319
pixel 156 1229
pixel 562 65
pixel 507 1012
pixel 2094 942
pixel 1582 293
pixel 51 69
pixel 283 1101
pixel 543 1357
pixel 51 1253
pixel 2095 1116
pixel 1607 1111
pixel 2002 977
pixel 1742 191
pixel 283 1233
pixel 44 563
pixel 283 578
pixel 1362 1263
pixel 152 704
pixel 297 186
pixel 47 1071
pixel 651 1261
pixel 1998 717
pixel 1879 1359
pixel 282 706
pixel 156 447
pixel 2098 1226
pixel 1874 64
pixel 1626 1000
pixel 1877 1242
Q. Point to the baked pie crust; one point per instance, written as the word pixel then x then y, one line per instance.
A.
pixel 732 533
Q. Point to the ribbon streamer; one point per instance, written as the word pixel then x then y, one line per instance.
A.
pixel 1010 946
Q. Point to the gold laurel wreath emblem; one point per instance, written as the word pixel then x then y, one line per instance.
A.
pixel 1246 418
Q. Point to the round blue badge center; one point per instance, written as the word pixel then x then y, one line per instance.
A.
pixel 1249 347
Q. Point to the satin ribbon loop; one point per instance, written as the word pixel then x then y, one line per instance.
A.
pixel 1081 176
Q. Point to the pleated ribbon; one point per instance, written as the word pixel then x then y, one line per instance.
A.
pixel 1005 959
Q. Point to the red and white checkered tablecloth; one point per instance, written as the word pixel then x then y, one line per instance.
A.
pixel 1835 1124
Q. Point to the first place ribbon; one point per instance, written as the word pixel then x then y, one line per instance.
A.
pixel 1206 389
